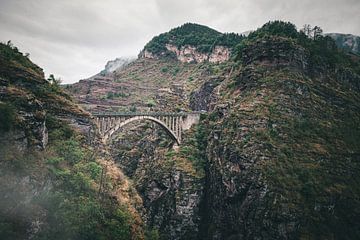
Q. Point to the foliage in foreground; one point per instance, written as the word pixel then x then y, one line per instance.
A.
pixel 75 209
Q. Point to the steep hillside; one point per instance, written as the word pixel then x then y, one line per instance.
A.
pixel 282 144
pixel 56 180
pixel 157 84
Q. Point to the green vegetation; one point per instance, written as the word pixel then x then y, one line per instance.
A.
pixel 275 28
pixel 11 53
pixel 192 153
pixel 150 103
pixel 133 109
pixel 172 69
pixel 7 117
pixel 201 37
pixel 175 71
pixel 311 138
pixel 112 95
pixel 62 187
pixel 164 69
pixel 323 51
pixel 152 235
pixel 75 208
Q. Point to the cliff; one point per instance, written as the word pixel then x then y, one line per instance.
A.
pixel 276 146
pixel 55 174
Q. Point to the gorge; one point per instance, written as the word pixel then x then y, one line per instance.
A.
pixel 267 127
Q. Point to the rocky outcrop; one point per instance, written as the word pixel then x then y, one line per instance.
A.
pixel 187 54
pixel 147 54
pixel 201 99
pixel 190 54
pixel 219 54
pixel 172 204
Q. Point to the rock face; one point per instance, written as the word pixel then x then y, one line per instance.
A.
pixel 190 54
pixel 203 98
pixel 171 193
pixel 31 130
pixel 219 54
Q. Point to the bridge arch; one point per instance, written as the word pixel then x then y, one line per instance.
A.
pixel 121 124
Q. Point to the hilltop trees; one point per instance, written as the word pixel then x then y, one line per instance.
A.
pixel 201 37
pixel 312 32
pixel 275 28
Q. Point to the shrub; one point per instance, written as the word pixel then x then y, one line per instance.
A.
pixel 151 103
pixel 7 117
pixel 164 69
pixel 275 28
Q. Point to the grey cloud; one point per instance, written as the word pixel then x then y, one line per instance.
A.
pixel 74 38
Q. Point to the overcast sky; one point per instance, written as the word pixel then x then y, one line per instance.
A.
pixel 74 39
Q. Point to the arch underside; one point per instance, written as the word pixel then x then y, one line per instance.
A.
pixel 118 126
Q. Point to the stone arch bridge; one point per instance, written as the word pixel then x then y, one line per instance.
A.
pixel 173 123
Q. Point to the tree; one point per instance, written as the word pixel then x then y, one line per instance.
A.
pixel 10 44
pixel 54 81
pixel 317 32
pixel 307 30
pixel 312 32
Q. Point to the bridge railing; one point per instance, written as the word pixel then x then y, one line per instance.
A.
pixel 126 114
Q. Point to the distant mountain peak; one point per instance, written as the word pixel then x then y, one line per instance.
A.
pixel 117 64
pixel 348 42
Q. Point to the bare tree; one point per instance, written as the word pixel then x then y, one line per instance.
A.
pixel 307 30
